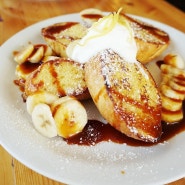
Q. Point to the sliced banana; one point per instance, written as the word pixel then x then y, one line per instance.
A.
pixel 37 55
pixel 40 97
pixel 170 93
pixel 174 60
pixel 33 53
pixel 166 78
pixel 172 88
pixel 174 85
pixel 172 117
pixel 62 100
pixel 43 120
pixel 170 104
pixel 70 116
pixel 48 51
pixel 23 55
pixel 176 72
pixel 179 81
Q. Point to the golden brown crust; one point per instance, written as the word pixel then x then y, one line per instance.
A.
pixel 59 36
pixel 61 77
pixel 151 41
pixel 125 94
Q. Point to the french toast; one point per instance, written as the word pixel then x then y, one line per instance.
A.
pixel 125 95
pixel 59 35
pixel 151 41
pixel 59 76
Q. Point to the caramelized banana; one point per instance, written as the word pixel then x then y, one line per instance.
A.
pixel 171 93
pixel 21 56
pixel 174 60
pixel 172 88
pixel 176 72
pixel 171 117
pixel 33 53
pixel 170 104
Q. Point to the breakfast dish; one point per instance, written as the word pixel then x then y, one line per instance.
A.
pixel 60 161
pixel 139 118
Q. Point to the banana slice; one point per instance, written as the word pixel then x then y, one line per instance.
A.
pixel 166 78
pixel 41 97
pixel 33 53
pixel 176 86
pixel 70 116
pixel 179 81
pixel 43 120
pixel 174 60
pixel 172 88
pixel 176 72
pixel 37 55
pixel 23 55
pixel 48 51
pixel 170 93
pixel 172 117
pixel 171 104
pixel 62 100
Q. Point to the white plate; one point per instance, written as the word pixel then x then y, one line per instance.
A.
pixel 105 163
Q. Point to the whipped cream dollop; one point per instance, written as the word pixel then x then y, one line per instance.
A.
pixel 110 32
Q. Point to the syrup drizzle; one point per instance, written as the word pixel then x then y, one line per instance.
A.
pixel 96 132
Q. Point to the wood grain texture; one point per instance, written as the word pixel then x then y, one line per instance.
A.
pixel 16 15
pixel 6 168
pixel 26 176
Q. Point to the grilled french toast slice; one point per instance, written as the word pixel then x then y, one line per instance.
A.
pixel 59 76
pixel 59 35
pixel 125 95
pixel 151 41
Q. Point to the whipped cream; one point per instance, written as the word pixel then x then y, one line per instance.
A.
pixel 110 32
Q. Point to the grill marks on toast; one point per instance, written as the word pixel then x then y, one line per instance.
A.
pixel 125 95
pixel 61 77
pixel 147 32
pixel 151 41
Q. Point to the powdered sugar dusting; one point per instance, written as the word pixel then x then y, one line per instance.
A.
pixel 144 34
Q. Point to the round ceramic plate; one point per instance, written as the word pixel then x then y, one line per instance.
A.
pixel 105 163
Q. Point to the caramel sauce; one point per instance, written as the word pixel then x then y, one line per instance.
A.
pixel 28 67
pixel 96 132
pixel 20 83
pixel 92 16
pixel 53 73
pixel 152 30
pixel 56 29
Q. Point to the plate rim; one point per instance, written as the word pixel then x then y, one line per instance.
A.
pixel 50 20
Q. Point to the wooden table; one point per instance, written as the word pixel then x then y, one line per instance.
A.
pixel 18 14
